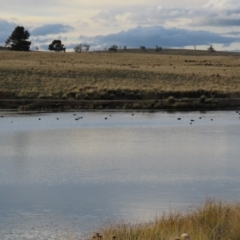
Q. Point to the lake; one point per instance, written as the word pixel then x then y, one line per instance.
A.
pixel 67 174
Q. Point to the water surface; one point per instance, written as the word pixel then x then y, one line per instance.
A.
pixel 61 176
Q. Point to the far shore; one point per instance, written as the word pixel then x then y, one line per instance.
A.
pixel 171 79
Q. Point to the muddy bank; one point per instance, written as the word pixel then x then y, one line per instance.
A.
pixel 202 103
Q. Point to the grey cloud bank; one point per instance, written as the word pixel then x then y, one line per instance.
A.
pixel 158 35
pixel 51 29
pixel 6 29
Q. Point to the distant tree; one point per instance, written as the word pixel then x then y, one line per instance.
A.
pixel 125 48
pixel 87 47
pixel 80 47
pixel 211 49
pixel 113 48
pixel 57 46
pixel 143 48
pixel 158 49
pixel 18 40
pixel 36 48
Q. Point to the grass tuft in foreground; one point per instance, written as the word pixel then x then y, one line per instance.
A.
pixel 213 221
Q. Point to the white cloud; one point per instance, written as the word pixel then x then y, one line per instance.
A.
pixel 217 13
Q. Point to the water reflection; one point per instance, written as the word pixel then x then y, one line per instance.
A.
pixel 82 173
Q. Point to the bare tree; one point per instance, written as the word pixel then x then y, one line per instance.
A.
pixel 36 48
pixel 125 48
pixel 80 47
pixel 86 46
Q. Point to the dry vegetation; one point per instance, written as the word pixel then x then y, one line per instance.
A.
pixel 119 76
pixel 213 221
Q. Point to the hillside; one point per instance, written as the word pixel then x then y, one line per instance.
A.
pixel 121 76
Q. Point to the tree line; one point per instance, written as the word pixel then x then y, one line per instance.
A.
pixel 19 41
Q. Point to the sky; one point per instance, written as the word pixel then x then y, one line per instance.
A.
pixel 131 23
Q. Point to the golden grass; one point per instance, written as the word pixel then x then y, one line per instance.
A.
pixel 96 75
pixel 213 221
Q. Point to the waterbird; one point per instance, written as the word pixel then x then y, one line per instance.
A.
pixel 57 118
pixel 2 116
pixel 179 119
pixel 132 114
pixel 192 120
pixel 211 119
pixel 185 236
pixel 105 118
pixel 200 118
pixel 39 119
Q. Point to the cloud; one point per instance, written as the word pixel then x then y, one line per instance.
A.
pixel 6 28
pixel 158 35
pixel 42 40
pixel 51 29
pixel 216 13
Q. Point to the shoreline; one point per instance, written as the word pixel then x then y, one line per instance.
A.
pixel 188 104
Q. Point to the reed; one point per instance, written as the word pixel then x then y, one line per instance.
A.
pixel 213 221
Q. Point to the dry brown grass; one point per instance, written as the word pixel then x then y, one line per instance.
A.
pixel 213 221
pixel 115 75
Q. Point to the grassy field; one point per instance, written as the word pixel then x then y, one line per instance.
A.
pixel 129 75
pixel 213 221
